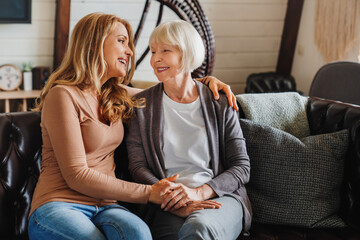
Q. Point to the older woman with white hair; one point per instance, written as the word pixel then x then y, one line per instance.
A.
pixel 183 130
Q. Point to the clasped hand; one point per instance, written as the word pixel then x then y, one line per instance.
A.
pixel 178 198
pixel 194 206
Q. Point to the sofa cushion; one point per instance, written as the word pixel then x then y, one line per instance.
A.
pixel 295 181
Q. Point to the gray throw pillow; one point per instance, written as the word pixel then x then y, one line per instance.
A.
pixel 295 181
pixel 282 110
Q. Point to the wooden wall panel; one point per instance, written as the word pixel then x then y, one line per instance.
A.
pixel 289 36
pixel 62 27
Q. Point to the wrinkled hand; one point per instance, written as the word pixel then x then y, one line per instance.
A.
pixel 194 206
pixel 179 196
pixel 216 85
pixel 161 188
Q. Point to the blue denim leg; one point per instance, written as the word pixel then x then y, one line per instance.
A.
pixel 117 222
pixel 223 223
pixel 61 220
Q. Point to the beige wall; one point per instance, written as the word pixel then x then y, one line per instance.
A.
pixel 30 42
pixel 307 59
pixel 247 35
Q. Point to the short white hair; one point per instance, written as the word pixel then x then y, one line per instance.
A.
pixel 183 35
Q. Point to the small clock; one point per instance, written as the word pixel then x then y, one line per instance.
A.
pixel 10 77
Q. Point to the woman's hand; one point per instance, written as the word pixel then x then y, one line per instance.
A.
pixel 194 206
pixel 216 85
pixel 179 195
pixel 160 188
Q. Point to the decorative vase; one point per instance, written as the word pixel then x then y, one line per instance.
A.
pixel 28 83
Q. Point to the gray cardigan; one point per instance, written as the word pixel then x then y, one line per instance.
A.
pixel 229 159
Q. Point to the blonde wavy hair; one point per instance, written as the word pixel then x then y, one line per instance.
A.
pixel 84 66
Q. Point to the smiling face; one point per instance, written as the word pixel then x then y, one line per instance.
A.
pixel 166 61
pixel 117 51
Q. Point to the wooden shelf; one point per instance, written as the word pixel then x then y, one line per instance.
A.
pixel 20 94
pixel 24 95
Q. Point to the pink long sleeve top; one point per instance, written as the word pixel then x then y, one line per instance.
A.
pixel 78 153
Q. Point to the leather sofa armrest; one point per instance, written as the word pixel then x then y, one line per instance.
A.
pixel 326 116
pixel 20 156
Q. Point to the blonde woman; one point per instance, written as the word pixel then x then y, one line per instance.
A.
pixel 194 136
pixel 83 107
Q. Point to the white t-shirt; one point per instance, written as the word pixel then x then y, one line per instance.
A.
pixel 186 145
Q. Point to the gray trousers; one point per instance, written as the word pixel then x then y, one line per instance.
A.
pixel 223 223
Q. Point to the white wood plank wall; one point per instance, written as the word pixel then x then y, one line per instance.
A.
pixel 247 37
pixel 247 34
pixel 30 42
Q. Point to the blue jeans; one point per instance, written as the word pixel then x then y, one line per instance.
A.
pixel 224 223
pixel 62 220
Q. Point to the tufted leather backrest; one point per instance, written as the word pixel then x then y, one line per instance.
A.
pixel 267 82
pixel 20 155
pixel 329 116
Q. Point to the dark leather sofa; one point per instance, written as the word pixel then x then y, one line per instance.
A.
pixel 20 156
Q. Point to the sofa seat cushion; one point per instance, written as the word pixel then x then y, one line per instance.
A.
pixel 295 181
